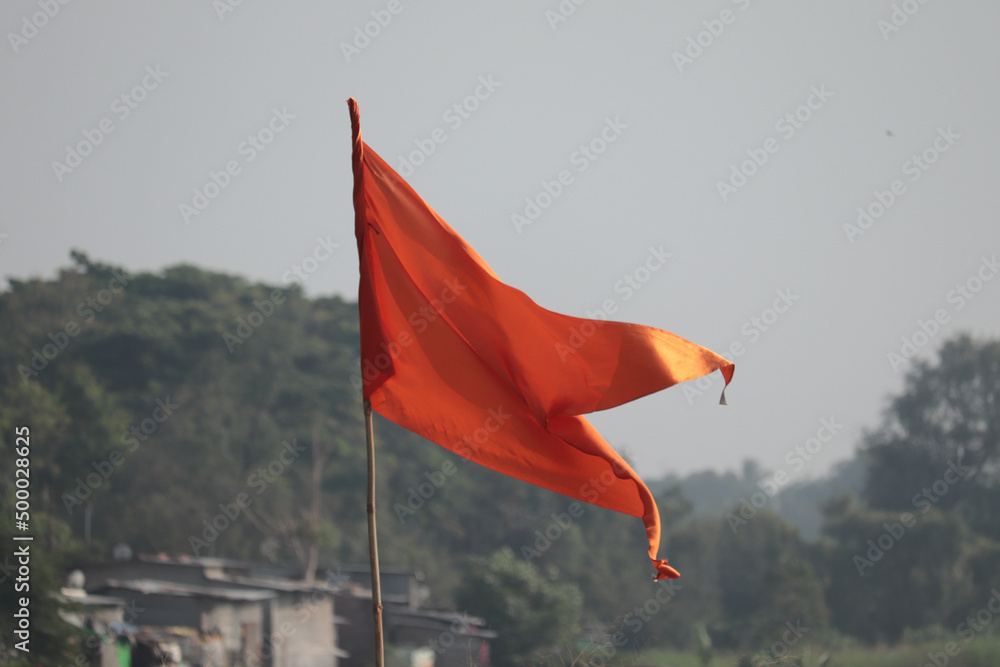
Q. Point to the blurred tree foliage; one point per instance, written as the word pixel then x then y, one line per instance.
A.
pixel 890 571
pixel 193 412
pixel 527 608
pixel 946 420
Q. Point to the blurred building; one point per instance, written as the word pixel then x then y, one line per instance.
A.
pixel 229 613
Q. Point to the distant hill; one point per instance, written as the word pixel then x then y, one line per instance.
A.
pixel 192 412
pixel 713 494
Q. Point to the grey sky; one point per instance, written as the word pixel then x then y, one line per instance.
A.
pixel 210 79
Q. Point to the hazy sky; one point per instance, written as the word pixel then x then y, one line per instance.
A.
pixel 738 136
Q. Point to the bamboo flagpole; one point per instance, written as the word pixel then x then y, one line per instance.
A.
pixel 372 539
pixel 357 153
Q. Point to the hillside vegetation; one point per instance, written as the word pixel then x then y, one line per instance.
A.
pixel 193 412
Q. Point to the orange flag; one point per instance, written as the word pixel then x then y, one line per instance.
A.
pixel 458 357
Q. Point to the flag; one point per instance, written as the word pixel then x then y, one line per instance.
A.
pixel 453 354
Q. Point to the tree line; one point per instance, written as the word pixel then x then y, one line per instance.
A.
pixel 189 411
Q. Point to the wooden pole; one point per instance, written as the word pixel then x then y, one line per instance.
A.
pixel 372 539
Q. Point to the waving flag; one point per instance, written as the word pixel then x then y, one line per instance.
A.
pixel 458 357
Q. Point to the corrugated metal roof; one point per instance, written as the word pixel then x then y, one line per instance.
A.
pixel 81 596
pixel 287 585
pixel 155 587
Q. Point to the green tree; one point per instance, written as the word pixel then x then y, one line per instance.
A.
pixel 939 441
pixel 766 580
pixel 743 582
pixel 889 571
pixel 527 609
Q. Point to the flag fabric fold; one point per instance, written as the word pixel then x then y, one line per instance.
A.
pixel 457 356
